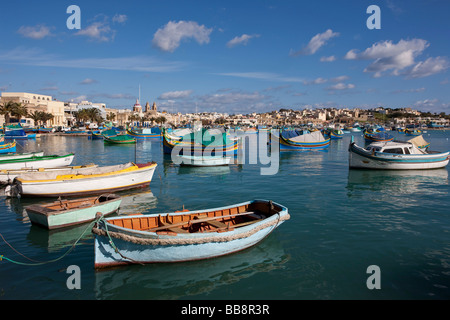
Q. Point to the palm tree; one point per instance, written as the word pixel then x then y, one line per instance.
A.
pixel 46 116
pixel 36 116
pixel 7 109
pixel 19 111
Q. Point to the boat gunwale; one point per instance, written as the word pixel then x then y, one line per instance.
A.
pixel 154 235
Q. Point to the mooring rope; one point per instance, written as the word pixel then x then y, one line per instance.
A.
pixel 37 263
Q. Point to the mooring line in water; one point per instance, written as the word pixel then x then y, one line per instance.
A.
pixel 37 263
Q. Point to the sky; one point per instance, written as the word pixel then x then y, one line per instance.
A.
pixel 230 56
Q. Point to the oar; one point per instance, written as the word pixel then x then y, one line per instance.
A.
pixel 179 224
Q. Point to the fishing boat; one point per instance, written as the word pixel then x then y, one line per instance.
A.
pixel 118 139
pixel 336 133
pixel 51 161
pixel 16 131
pixel 8 147
pixel 378 136
pixel 291 140
pixel 66 213
pixel 396 155
pixel 7 176
pixel 12 155
pixel 185 235
pixel 144 133
pixel 412 132
pixel 202 142
pixel 203 161
pixel 89 182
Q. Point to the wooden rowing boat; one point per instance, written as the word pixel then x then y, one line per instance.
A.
pixel 89 182
pixel 66 213
pixel 185 235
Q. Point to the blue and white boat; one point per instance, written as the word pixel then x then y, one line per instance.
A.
pixel 395 155
pixel 291 140
pixel 17 132
pixel 185 235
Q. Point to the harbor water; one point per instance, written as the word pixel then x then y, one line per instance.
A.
pixel 342 222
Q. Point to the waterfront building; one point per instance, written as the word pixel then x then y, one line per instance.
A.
pixel 37 102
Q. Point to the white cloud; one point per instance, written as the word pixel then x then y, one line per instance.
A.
pixel 241 40
pixel 328 59
pixel 432 105
pixel 428 67
pixel 315 81
pixel 120 18
pixel 400 58
pixel 262 76
pixel 340 78
pixel 37 57
pixel 168 38
pixel 88 81
pixel 316 42
pixel 36 32
pixel 341 86
pixel 172 95
pixel 99 31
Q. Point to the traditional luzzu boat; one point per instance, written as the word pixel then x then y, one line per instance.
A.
pixel 144 133
pixel 66 213
pixel 51 161
pixel 7 176
pixel 119 139
pixel 294 140
pixel 89 182
pixel 395 155
pixel 378 136
pixel 185 235
pixel 204 161
pixel 200 143
pixel 336 134
pixel 8 147
pixel 413 132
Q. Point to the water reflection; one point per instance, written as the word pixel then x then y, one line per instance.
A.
pixel 395 183
pixel 174 281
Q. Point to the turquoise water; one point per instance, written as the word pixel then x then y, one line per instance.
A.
pixel 342 222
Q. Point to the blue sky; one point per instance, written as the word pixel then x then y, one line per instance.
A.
pixel 230 56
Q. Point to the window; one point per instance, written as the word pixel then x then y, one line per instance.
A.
pixel 407 151
pixel 394 150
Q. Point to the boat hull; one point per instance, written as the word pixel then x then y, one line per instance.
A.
pixel 160 248
pixel 89 185
pixel 37 162
pixel 286 145
pixel 360 159
pixel 8 147
pixel 71 217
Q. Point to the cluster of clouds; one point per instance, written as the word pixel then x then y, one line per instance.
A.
pixel 399 59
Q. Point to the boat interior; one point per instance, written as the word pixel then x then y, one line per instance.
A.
pixel 220 220
pixel 64 205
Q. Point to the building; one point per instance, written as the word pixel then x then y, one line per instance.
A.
pixel 38 102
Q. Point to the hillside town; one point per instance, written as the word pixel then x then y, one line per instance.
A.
pixel 31 109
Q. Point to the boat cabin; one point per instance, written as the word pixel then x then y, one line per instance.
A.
pixel 393 147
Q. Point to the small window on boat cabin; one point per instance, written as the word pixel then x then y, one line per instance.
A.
pixel 407 151
pixel 394 150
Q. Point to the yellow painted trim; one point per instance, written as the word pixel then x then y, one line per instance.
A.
pixel 82 176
